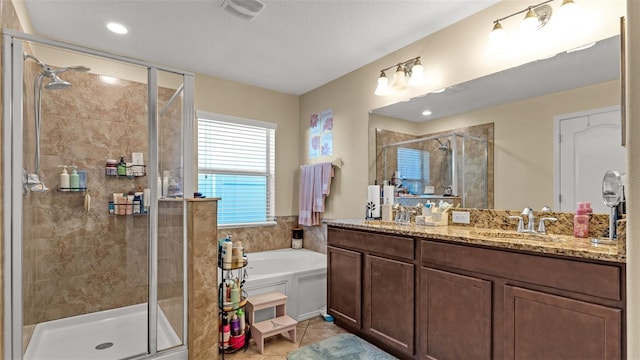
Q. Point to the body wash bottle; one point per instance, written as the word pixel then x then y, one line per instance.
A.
pixel 74 178
pixel 64 179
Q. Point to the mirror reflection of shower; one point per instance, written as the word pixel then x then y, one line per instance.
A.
pixel 31 181
pixel 445 165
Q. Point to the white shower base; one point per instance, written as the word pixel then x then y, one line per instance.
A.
pixel 76 338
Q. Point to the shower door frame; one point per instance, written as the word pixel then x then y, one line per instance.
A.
pixel 12 140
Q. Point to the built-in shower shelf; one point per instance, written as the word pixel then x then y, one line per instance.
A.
pixel 133 171
pixel 61 189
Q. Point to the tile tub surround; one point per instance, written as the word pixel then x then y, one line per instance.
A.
pixel 264 238
pixel 568 245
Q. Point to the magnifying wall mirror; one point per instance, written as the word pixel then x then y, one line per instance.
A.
pixel 611 195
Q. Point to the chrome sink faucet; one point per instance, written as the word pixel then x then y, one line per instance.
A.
pixel 528 212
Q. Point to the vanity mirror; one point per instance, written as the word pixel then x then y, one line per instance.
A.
pixel 524 104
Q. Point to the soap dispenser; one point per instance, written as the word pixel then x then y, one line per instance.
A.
pixel 74 179
pixel 64 178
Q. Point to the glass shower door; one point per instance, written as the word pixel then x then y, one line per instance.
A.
pixel 85 239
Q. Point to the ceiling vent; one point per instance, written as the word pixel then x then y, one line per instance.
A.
pixel 244 9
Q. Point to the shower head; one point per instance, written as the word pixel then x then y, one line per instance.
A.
pixel 443 146
pixel 56 83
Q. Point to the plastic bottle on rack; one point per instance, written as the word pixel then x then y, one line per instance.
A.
pixel 236 330
pixel 64 178
pixel 225 333
pixel 240 314
pixel 122 167
pixel 74 179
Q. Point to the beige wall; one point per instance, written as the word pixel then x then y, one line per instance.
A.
pixel 451 56
pixel 523 143
pixel 235 99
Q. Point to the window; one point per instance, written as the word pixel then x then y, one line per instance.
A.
pixel 236 162
pixel 413 165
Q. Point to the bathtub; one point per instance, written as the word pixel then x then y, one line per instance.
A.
pixel 299 273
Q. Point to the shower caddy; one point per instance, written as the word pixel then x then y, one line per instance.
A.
pixel 225 308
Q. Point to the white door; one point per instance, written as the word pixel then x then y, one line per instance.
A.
pixel 587 146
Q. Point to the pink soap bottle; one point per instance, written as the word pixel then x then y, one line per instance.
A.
pixel 581 221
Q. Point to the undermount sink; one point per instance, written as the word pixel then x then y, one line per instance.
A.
pixel 510 234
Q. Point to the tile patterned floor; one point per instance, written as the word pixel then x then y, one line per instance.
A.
pixel 277 347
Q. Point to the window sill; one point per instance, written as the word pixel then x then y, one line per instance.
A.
pixel 245 225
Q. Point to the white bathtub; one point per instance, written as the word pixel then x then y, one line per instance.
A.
pixel 299 273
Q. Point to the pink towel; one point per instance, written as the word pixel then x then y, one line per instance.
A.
pixel 315 184
pixel 306 195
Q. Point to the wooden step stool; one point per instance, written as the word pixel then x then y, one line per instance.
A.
pixel 281 324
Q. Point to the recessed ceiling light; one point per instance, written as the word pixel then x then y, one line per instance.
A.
pixel 438 91
pixel 426 112
pixel 117 28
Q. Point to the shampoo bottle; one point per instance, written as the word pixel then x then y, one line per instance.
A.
pixel 64 178
pixel 74 178
pixel 122 167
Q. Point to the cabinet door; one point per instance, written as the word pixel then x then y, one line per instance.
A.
pixel 389 302
pixel 344 290
pixel 544 326
pixel 455 316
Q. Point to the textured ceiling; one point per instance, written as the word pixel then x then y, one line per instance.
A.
pixel 291 47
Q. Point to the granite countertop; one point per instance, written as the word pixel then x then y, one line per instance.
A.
pixel 547 244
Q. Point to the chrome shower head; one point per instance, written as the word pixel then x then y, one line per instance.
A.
pixel 56 83
pixel 443 146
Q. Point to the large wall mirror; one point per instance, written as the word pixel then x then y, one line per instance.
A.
pixel 525 104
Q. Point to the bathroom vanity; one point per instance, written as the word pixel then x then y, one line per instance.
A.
pixel 458 293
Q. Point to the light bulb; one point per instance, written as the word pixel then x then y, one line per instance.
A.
pixel 417 74
pixel 568 17
pixel 399 80
pixel 383 85
pixel 497 39
pixel 530 22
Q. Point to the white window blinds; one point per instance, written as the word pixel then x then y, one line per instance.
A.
pixel 236 162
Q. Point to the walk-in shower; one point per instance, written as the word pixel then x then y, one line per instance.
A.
pixel 31 180
pixel 84 283
pixel 454 165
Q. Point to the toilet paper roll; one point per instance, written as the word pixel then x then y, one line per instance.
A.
pixel 373 201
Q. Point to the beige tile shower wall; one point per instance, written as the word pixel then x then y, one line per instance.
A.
pixel 81 262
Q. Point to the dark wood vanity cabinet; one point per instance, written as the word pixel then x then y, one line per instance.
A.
pixel 381 271
pixel 344 273
pixel 455 316
pixel 388 299
pixel 544 326
pixel 432 299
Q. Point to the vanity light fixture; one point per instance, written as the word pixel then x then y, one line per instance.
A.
pixel 536 17
pixel 411 68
